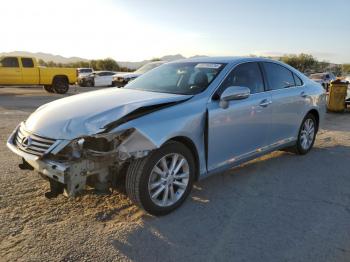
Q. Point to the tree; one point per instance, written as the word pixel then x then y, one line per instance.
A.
pixel 302 62
pixel 155 59
pixel 346 68
pixel 107 64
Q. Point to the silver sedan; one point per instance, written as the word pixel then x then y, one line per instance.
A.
pixel 175 124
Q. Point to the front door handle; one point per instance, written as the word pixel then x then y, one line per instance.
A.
pixel 265 103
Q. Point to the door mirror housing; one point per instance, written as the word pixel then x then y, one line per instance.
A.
pixel 233 93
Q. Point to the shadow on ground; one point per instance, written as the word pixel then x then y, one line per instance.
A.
pixel 282 207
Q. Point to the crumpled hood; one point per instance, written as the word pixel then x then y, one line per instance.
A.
pixel 88 113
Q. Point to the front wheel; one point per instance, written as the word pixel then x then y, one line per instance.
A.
pixel 160 182
pixel 307 135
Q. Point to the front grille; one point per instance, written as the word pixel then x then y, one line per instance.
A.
pixel 32 144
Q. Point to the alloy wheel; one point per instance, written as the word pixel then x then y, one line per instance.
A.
pixel 307 134
pixel 169 180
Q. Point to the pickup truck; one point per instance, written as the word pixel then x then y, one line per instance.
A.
pixel 18 71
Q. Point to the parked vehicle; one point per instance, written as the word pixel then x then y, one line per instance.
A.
pixel 168 128
pixel 25 71
pixel 122 78
pixel 323 78
pixel 97 79
pixel 84 72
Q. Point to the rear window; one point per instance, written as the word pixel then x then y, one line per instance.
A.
pixel 27 62
pixel 85 70
pixel 9 62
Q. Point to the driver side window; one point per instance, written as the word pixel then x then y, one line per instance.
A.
pixel 246 75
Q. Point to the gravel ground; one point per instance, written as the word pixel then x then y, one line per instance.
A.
pixel 280 207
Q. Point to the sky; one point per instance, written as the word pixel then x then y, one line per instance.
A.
pixel 134 30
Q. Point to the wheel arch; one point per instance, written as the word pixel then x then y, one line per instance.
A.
pixel 60 76
pixel 192 147
pixel 316 114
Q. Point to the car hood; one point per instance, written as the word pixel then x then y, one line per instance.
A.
pixel 127 75
pixel 91 112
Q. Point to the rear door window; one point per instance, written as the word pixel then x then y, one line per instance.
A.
pixel 278 76
pixel 27 62
pixel 9 62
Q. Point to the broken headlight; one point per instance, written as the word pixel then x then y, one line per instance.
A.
pixel 98 145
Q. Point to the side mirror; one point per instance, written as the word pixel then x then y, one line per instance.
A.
pixel 233 93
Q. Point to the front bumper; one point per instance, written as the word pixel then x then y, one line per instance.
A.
pixel 52 169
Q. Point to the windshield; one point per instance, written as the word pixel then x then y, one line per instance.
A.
pixel 147 67
pixel 85 70
pixel 178 78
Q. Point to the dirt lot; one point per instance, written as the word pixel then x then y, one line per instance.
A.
pixel 281 207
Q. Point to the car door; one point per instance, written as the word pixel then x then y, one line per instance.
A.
pixel 289 96
pixel 240 130
pixel 106 80
pixel 98 79
pixel 10 71
pixel 30 74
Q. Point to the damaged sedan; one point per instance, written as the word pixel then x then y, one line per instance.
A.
pixel 170 127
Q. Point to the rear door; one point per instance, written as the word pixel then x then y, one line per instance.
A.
pixel 288 106
pixel 10 71
pixel 30 74
pixel 239 131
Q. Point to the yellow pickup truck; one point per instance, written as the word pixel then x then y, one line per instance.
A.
pixel 25 71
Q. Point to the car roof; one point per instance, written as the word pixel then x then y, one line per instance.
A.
pixel 227 59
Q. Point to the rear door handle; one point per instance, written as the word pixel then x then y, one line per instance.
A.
pixel 303 94
pixel 265 103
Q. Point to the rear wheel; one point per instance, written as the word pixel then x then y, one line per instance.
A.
pixel 307 135
pixel 60 85
pixel 160 182
pixel 48 89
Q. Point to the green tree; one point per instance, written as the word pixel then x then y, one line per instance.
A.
pixel 346 68
pixel 302 62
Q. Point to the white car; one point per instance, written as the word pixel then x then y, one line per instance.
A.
pixel 97 79
pixel 122 78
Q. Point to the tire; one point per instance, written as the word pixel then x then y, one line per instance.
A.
pixel 90 84
pixel 60 85
pixel 301 148
pixel 49 89
pixel 140 176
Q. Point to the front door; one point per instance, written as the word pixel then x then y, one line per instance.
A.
pixel 240 130
pixel 30 73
